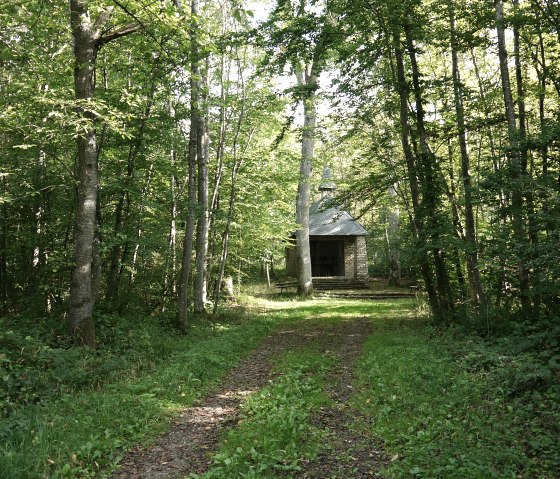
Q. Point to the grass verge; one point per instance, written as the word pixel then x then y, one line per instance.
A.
pixel 82 430
pixel 444 410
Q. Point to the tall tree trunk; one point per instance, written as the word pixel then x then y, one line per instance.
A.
pixel 526 175
pixel 81 300
pixel 457 225
pixel 418 221
pixel 542 76
pixel 122 212
pixel 307 78
pixel 393 247
pixel 225 238
pixel 4 271
pixel 471 253
pixel 515 160
pixel 220 153
pixel 192 160
pixel 88 38
pixel 139 230
pixel 170 279
pixel 237 162
pixel 200 286
pixel 189 230
pixel 427 167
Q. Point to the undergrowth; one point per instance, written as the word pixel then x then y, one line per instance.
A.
pixel 451 405
pixel 447 404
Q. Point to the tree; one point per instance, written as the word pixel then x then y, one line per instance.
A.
pixel 470 236
pixel 192 160
pixel 89 37
pixel 289 27
pixel 514 155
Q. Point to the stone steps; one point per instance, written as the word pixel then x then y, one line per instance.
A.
pixel 360 295
pixel 328 284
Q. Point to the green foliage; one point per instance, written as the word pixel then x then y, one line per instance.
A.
pixel 447 405
pixel 40 366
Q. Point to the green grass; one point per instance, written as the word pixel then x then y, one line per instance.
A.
pixel 83 430
pixel 445 405
pixel 275 433
pixel 440 417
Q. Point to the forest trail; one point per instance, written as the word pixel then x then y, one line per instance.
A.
pixel 193 439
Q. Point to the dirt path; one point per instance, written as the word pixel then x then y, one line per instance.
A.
pixel 188 446
pixel 352 455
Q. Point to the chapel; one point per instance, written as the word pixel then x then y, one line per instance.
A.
pixel 337 241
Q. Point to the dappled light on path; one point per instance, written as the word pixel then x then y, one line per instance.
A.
pixel 194 436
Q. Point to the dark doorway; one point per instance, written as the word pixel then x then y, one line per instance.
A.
pixel 327 257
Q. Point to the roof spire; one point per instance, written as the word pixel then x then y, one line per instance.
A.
pixel 327 185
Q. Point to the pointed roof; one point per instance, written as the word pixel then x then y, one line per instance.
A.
pixel 327 219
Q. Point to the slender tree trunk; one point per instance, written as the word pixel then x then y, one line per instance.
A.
pixel 515 160
pixel 200 286
pixel 456 223
pixel 419 233
pixel 225 238
pixel 526 176
pixel 428 170
pixel 471 253
pixel 223 125
pixel 39 255
pixel 122 212
pixel 542 94
pixel 192 160
pixel 139 229
pixel 170 281
pixel 501 218
pixel 393 220
pixel 237 162
pixel 303 253
pixel 97 241
pixel 189 230
pixel 220 151
pixel 4 276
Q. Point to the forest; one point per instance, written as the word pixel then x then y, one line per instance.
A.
pixel 157 156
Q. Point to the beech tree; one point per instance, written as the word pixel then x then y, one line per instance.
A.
pixel 89 36
pixel 303 31
pixel 471 254
pixel 193 151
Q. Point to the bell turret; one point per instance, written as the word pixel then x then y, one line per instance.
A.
pixel 327 185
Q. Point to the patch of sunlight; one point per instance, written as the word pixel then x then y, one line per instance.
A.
pixel 236 393
pixel 222 326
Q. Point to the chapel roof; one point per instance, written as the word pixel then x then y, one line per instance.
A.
pixel 327 219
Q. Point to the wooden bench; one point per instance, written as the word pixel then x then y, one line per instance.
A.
pixel 286 285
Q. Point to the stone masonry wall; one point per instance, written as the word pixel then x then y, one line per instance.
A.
pixel 291 261
pixel 362 259
pixel 349 257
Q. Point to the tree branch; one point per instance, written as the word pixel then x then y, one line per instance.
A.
pixel 121 32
